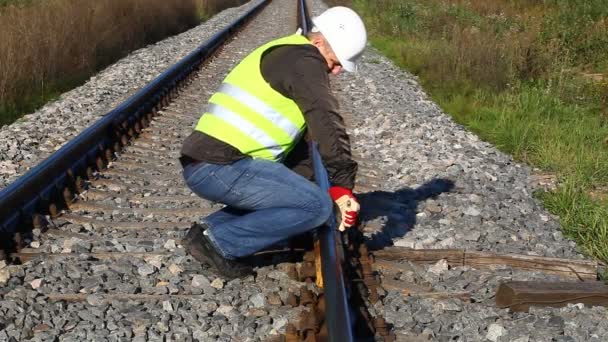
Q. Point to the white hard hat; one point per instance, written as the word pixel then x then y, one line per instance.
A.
pixel 345 33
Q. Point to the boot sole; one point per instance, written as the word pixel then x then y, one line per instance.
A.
pixel 199 256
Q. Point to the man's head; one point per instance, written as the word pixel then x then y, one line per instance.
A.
pixel 333 63
pixel 340 36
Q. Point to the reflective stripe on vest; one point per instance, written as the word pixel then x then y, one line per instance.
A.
pixel 260 107
pixel 245 126
pixel 247 113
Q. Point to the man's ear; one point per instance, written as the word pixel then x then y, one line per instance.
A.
pixel 317 41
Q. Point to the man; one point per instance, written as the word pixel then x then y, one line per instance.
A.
pixel 247 152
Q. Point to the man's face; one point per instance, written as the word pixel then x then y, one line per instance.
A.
pixel 333 64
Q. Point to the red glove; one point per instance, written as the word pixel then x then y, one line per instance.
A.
pixel 348 205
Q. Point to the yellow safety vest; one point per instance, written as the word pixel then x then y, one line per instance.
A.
pixel 251 116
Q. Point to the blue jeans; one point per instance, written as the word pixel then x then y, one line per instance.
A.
pixel 266 203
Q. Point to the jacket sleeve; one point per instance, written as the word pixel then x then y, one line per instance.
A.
pixel 309 87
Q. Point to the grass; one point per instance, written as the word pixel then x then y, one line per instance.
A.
pixel 12 111
pixel 528 76
pixel 51 46
pixel 205 9
pixel 4 3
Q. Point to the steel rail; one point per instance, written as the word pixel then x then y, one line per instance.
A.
pixel 337 315
pixel 34 192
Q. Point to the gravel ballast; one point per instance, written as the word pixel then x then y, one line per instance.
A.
pixel 442 187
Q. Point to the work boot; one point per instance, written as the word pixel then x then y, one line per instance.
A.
pixel 201 248
pixel 195 234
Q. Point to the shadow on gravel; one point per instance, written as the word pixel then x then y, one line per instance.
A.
pixel 399 209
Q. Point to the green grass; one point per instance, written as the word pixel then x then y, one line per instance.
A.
pixel 513 73
pixel 4 3
pixel 565 139
pixel 31 101
pixel 582 218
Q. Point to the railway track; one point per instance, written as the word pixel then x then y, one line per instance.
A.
pixel 112 228
pixel 104 261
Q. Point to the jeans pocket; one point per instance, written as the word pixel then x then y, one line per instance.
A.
pixel 211 182
pixel 197 173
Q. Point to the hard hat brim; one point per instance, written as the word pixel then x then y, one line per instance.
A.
pixel 347 65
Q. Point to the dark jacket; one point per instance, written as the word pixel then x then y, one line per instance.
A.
pixel 300 73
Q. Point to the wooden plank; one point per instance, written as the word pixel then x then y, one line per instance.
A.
pixel 138 175
pixel 100 240
pixel 460 295
pixel 411 337
pixel 27 255
pixel 455 257
pixel 116 185
pixel 99 195
pixel 81 297
pixel 406 288
pixel 391 267
pixel 191 200
pixel 520 295
pixel 577 269
pixel 145 158
pixel 96 207
pixel 570 268
pixel 418 290
pixel 131 165
pixel 126 225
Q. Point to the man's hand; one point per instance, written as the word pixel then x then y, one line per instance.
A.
pixel 348 205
